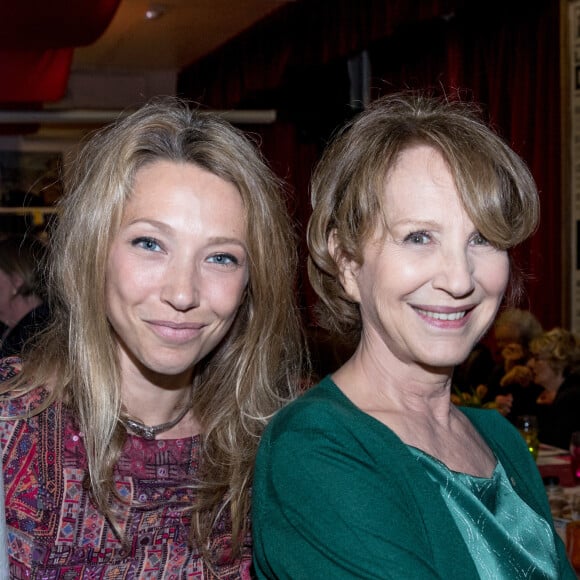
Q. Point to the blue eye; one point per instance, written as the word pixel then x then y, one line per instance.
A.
pixel 418 238
pixel 479 240
pixel 223 259
pixel 150 244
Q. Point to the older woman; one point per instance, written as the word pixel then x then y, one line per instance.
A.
pixel 374 473
pixel 130 433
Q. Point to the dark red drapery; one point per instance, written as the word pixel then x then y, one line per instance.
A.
pixel 503 54
pixel 513 70
pixel 37 39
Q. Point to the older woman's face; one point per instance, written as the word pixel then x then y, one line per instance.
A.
pixel 177 268
pixel 430 286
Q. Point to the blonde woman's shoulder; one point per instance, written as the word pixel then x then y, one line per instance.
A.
pixel 18 401
pixel 9 368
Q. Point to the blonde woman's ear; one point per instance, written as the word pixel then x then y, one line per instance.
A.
pixel 347 269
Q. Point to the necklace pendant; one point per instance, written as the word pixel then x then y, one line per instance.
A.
pixel 148 434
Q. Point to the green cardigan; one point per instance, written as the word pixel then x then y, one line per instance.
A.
pixel 337 495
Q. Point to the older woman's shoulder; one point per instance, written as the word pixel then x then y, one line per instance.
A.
pixel 493 426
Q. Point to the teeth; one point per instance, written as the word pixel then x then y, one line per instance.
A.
pixel 442 315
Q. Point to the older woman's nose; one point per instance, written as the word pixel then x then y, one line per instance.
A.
pixel 455 274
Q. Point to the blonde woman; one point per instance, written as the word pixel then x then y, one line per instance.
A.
pixel 130 431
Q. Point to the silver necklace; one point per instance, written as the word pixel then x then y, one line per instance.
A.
pixel 149 432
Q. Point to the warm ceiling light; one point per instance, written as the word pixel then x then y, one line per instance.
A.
pixel 155 11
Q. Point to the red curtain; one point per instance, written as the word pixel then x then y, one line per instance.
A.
pixel 37 39
pixel 300 35
pixel 33 76
pixel 512 68
pixel 503 54
pixel 42 24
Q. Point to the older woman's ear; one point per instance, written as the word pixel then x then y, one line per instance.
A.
pixel 347 269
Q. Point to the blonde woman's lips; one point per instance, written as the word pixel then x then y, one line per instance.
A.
pixel 175 331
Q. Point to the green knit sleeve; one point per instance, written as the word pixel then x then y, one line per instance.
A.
pixel 324 508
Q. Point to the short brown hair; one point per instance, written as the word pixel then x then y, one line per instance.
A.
pixel 495 185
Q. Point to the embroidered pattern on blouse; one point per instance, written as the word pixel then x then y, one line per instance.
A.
pixel 55 531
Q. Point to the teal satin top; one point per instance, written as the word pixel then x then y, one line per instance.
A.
pixel 505 536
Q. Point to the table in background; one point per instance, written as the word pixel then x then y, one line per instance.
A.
pixel 563 493
pixel 555 462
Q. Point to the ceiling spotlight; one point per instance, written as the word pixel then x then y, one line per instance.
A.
pixel 155 11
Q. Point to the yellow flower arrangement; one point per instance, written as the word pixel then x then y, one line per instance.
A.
pixel 473 398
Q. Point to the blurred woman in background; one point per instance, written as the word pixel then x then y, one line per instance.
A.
pixel 555 366
pixel 23 306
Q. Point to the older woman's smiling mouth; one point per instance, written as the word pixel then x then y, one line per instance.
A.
pixel 441 315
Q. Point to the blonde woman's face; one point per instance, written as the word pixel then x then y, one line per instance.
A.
pixel 430 286
pixel 177 268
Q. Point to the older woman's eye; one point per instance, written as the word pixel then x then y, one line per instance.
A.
pixel 418 238
pixel 479 240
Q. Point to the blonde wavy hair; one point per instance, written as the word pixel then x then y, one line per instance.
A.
pixel 495 186
pixel 560 348
pixel 248 376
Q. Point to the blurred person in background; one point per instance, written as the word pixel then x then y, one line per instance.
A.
pixel 23 306
pixel 513 331
pixel 502 377
pixel 555 367
pixel 511 384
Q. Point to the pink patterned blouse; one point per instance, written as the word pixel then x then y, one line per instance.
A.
pixel 54 531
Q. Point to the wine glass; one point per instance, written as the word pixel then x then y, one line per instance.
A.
pixel 528 427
